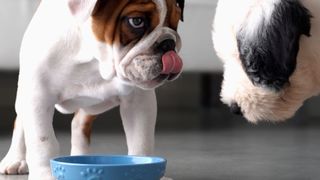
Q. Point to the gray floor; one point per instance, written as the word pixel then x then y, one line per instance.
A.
pixel 242 153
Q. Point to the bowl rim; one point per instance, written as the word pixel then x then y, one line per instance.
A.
pixel 58 160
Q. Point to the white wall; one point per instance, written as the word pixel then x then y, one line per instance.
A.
pixel 197 47
pixel 14 17
pixel 197 50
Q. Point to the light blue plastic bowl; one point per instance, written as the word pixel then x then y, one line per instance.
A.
pixel 109 167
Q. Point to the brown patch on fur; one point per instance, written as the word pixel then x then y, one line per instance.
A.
pixel 110 23
pixel 87 127
pixel 174 14
pixel 85 123
pixel 105 19
pixel 147 10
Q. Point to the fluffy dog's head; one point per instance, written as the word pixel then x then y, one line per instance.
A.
pixel 266 74
pixel 137 40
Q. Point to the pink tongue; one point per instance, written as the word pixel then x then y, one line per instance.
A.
pixel 172 63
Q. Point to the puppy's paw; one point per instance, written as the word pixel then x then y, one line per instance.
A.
pixel 166 178
pixel 13 165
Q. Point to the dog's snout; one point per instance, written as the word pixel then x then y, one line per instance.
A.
pixel 235 109
pixel 167 45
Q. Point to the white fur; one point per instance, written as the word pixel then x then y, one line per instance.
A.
pixel 255 13
pixel 63 66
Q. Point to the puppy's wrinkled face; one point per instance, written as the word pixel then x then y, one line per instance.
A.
pixel 139 39
pixel 259 44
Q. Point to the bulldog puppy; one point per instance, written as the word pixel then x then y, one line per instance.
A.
pixel 88 56
pixel 270 53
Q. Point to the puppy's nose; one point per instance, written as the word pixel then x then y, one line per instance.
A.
pixel 235 109
pixel 167 45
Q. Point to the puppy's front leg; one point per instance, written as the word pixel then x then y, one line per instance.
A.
pixel 81 132
pixel 138 112
pixel 35 109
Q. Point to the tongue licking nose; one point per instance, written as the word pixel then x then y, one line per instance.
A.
pixel 171 62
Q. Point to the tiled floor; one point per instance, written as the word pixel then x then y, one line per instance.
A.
pixel 231 154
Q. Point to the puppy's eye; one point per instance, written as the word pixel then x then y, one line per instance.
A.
pixel 137 22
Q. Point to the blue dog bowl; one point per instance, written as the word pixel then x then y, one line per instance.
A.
pixel 111 167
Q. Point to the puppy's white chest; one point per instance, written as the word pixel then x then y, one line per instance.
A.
pixel 95 98
pixel 71 105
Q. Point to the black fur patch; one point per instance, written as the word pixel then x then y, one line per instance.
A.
pixel 269 58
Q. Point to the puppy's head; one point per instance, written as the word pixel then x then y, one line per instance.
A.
pixel 263 79
pixel 137 40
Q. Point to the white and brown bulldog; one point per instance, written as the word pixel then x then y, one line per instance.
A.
pixel 270 51
pixel 88 56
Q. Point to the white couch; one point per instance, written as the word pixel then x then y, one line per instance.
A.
pixel 197 47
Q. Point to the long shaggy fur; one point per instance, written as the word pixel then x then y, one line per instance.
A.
pixel 270 55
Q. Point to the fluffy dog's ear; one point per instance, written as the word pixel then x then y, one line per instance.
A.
pixel 268 52
pixel 181 5
pixel 81 9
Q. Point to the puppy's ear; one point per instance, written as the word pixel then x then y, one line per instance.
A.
pixel 81 9
pixel 181 5
pixel 268 50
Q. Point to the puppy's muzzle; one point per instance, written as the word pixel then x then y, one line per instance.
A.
pixel 153 59
pixel 171 63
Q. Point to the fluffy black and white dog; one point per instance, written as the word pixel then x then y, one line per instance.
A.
pixel 271 55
